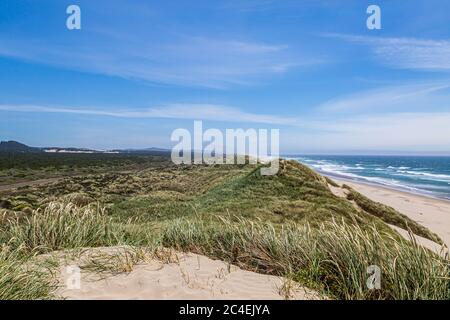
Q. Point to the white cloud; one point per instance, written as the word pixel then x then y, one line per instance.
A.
pixel 389 132
pixel 411 96
pixel 173 111
pixel 187 61
pixel 413 117
pixel 406 53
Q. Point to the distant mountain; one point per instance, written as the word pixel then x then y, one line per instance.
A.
pixel 14 146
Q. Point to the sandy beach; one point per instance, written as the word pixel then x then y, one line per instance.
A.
pixel 430 212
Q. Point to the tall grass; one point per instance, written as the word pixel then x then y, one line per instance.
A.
pixel 19 281
pixel 56 226
pixel 333 258
pixel 390 215
pixel 61 225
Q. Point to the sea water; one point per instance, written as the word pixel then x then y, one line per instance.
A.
pixel 426 175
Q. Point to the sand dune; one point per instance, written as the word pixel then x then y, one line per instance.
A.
pixel 191 277
pixel 431 213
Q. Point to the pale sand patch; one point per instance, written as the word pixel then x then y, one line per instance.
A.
pixel 424 242
pixel 429 212
pixel 338 191
pixel 192 276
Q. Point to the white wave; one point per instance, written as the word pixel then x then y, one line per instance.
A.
pixel 357 173
pixel 427 175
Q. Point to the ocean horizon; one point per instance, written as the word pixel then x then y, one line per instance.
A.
pixel 422 175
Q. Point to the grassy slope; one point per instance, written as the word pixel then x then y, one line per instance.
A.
pixel 296 194
pixel 214 205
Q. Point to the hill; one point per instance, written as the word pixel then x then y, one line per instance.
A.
pixel 14 146
pixel 17 147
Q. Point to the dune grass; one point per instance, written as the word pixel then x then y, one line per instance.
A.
pixel 333 258
pixel 19 280
pixel 105 263
pixel 308 235
pixel 390 215
pixel 61 225
pixel 58 225
pixel 331 182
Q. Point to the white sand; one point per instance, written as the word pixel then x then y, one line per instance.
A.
pixel 429 212
pixel 192 277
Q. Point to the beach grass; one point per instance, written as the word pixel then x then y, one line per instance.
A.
pixel 19 280
pixel 290 224
pixel 333 258
pixel 390 215
pixel 61 225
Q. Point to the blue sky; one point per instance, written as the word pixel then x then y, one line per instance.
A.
pixel 137 70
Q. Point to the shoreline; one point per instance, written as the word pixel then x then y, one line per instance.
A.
pixel 377 180
pixel 433 213
pixel 382 186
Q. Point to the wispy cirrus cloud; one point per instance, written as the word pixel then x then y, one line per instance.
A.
pixel 173 111
pixel 408 96
pixel 405 53
pixel 325 130
pixel 184 60
pixel 408 117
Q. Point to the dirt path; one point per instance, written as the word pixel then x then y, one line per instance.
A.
pixel 29 183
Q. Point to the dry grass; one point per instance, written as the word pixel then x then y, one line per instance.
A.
pixel 333 258
pixel 122 260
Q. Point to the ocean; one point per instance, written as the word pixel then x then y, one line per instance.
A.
pixel 425 175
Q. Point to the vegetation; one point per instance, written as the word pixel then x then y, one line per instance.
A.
pixel 61 225
pixel 331 182
pixel 390 215
pixel 333 258
pixel 29 166
pixel 21 281
pixel 290 224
